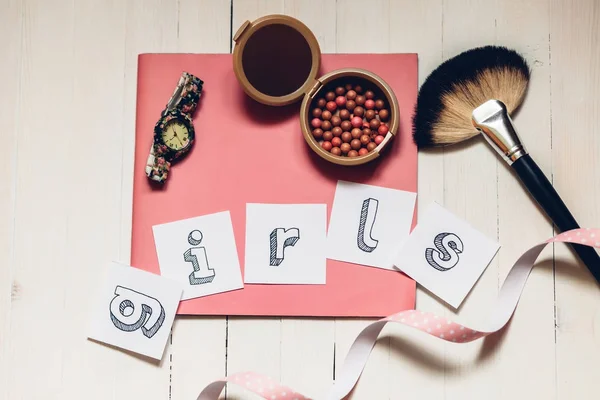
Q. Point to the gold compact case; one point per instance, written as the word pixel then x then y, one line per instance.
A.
pixel 276 60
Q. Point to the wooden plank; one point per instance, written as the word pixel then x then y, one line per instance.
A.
pixel 150 26
pixel 575 62
pixel 470 191
pixel 289 342
pixel 250 10
pixel 198 351
pixel 356 36
pixel 525 351
pixel 69 184
pixel 198 355
pixel 308 342
pixel 10 79
pixel 38 319
pixel 97 84
pixel 319 16
pixel 376 377
pixel 253 344
pixel 416 27
pixel 307 351
pixel 204 26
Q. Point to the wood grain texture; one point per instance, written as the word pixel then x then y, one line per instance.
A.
pixel 288 342
pixel 417 367
pixel 40 249
pixel 198 351
pixel 11 24
pixel 304 341
pixel 575 66
pixel 470 191
pixel 374 37
pixel 67 103
pixel 253 343
pixel 532 325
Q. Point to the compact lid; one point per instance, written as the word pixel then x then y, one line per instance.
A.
pixel 276 59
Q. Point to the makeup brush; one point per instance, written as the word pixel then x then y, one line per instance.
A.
pixel 474 93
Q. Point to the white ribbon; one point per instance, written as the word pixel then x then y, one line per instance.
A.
pixel 426 322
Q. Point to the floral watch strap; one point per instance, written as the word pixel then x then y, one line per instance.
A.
pixel 182 104
pixel 186 95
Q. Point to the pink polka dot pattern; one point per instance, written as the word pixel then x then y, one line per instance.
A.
pixel 437 326
pixel 429 323
pixel 587 236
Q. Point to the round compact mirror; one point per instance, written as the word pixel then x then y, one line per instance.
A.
pixel 276 59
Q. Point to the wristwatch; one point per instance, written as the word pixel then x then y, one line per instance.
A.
pixel 174 132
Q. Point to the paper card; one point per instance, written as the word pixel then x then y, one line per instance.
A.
pixel 285 243
pixel 445 254
pixel 200 253
pixel 135 310
pixel 368 223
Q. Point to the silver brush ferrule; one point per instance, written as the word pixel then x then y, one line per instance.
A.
pixel 492 120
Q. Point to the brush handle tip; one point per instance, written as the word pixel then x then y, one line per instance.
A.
pixel 546 196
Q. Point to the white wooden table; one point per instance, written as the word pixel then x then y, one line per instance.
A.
pixel 67 109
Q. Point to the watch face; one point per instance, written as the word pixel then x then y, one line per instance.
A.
pixel 176 135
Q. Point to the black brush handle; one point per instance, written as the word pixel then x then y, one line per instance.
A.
pixel 542 190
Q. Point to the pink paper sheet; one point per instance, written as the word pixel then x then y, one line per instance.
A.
pixel 249 153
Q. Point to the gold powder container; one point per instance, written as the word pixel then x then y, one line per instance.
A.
pixel 276 60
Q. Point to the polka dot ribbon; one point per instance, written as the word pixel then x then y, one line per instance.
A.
pixel 429 323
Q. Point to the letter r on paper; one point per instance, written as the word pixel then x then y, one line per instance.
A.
pixel 281 238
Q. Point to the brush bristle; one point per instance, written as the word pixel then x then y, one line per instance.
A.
pixel 458 86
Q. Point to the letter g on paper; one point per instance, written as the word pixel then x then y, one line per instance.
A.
pixel 131 310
